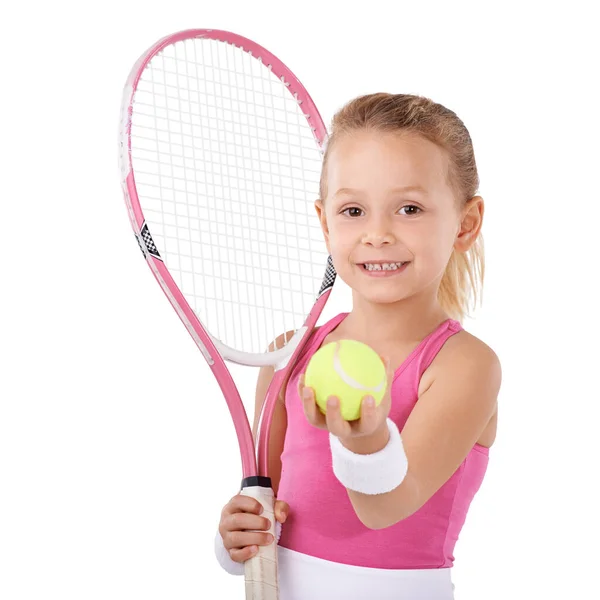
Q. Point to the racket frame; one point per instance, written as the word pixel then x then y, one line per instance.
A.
pixel 261 569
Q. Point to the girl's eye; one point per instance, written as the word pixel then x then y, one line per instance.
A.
pixel 411 210
pixel 352 211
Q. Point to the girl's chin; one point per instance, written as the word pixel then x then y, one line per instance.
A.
pixel 371 293
pixel 382 298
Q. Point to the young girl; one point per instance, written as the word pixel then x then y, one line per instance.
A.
pixel 373 508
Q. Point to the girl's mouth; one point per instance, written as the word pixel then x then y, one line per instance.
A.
pixel 383 269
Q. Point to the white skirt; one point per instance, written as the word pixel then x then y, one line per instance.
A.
pixel 303 577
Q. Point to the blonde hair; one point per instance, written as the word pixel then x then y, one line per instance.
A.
pixel 462 283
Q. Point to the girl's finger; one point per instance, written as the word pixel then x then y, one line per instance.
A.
pixel 300 385
pixel 241 503
pixel 241 555
pixel 311 410
pixel 309 404
pixel 369 419
pixel 336 424
pixel 245 521
pixel 242 539
pixel 282 509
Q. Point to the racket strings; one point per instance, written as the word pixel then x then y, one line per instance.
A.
pixel 227 169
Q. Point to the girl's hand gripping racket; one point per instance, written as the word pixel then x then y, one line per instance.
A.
pixel 220 155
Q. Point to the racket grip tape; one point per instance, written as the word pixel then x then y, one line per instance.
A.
pixel 261 576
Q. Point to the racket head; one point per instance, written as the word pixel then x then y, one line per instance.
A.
pixel 244 119
pixel 176 94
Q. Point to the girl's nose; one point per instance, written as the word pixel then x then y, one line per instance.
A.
pixel 378 236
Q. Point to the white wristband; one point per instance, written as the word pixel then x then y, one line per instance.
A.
pixel 225 560
pixel 376 473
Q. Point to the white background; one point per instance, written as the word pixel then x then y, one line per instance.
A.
pixel 116 451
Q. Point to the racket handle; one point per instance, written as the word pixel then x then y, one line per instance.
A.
pixel 261 570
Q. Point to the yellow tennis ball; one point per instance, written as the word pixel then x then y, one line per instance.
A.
pixel 349 370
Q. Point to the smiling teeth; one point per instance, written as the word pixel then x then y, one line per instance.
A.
pixel 383 267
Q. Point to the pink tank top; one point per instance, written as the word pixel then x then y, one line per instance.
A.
pixel 322 522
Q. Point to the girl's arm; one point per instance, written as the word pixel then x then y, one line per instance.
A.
pixel 445 424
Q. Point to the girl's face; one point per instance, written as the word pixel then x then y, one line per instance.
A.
pixel 388 201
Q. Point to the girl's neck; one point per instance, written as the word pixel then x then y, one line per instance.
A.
pixel 408 320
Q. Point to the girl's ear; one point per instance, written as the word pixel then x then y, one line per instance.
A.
pixel 470 225
pixel 320 208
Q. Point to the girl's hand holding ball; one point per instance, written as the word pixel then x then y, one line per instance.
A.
pixel 346 390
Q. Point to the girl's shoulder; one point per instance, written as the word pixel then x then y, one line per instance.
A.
pixel 461 351
pixel 470 342
pixel 465 345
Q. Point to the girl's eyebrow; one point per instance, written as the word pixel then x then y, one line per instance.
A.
pixel 406 188
pixel 411 188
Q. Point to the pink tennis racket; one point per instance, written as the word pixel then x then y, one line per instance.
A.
pixel 220 155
